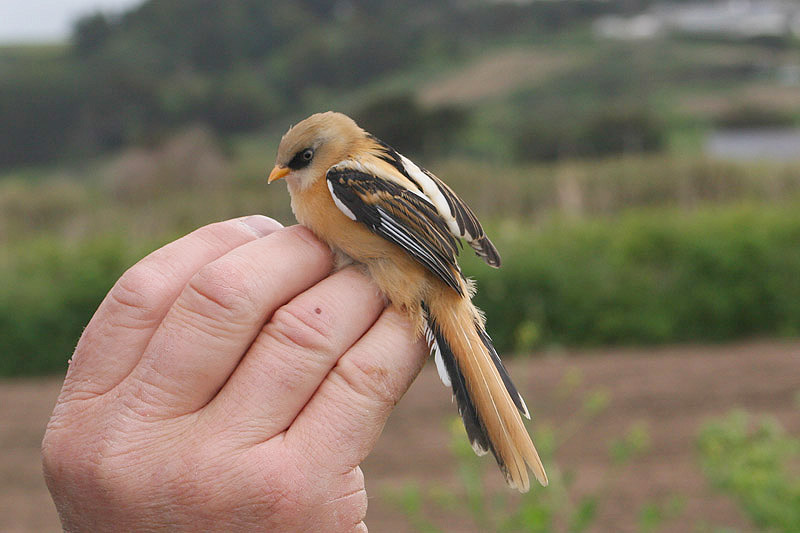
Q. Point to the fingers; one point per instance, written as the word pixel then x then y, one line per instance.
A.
pixel 351 406
pixel 218 315
pixel 113 341
pixel 293 353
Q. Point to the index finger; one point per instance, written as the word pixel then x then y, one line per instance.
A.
pixel 116 337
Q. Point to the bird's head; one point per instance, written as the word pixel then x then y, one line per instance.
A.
pixel 312 146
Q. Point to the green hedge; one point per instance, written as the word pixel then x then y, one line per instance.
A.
pixel 648 277
pixel 645 278
pixel 49 292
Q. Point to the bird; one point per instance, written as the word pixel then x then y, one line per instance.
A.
pixel 404 226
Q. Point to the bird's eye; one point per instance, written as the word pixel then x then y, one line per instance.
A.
pixel 301 159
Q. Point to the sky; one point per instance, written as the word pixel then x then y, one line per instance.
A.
pixel 28 21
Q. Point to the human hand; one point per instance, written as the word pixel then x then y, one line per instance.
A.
pixel 228 382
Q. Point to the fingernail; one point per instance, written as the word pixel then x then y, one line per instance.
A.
pixel 260 225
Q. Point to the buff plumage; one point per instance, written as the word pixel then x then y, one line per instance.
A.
pixel 375 207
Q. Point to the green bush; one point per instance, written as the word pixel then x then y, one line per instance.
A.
pixel 756 463
pixel 39 104
pixel 49 293
pixel 410 127
pixel 645 278
pixel 750 116
pixel 617 130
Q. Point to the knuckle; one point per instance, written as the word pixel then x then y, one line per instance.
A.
pixel 297 325
pixel 359 502
pixel 308 237
pixel 221 288
pixel 147 391
pixel 346 512
pixel 311 248
pixel 96 462
pixel 221 233
pixel 139 290
pixel 56 451
pixel 347 504
pixel 368 380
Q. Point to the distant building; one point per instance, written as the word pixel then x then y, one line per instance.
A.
pixel 755 144
pixel 731 18
pixel 644 26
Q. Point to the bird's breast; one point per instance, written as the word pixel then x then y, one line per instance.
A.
pixel 314 208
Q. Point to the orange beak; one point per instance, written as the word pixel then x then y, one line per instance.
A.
pixel 277 173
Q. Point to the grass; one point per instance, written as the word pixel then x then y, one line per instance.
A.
pixel 88 195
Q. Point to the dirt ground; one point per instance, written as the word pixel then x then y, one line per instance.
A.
pixel 671 390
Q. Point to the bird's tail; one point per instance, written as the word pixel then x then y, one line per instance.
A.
pixel 487 400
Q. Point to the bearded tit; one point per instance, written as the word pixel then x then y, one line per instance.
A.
pixel 375 207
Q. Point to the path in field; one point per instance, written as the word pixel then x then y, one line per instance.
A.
pixel 497 73
pixel 671 390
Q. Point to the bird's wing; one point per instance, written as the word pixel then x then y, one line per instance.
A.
pixel 459 218
pixel 373 193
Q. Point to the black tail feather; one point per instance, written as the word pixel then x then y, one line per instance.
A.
pixel 476 431
pixel 516 397
pixel 466 408
pixel 514 446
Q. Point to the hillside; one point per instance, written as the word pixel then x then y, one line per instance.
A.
pixel 235 66
pixel 477 73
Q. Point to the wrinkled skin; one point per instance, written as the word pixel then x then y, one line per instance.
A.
pixel 228 382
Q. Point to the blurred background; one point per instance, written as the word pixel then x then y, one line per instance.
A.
pixel 637 164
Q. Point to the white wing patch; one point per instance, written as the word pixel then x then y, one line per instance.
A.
pixel 365 167
pixel 434 195
pixel 343 208
pixel 393 228
pixel 437 356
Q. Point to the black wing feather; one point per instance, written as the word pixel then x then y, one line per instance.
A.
pixel 468 224
pixel 401 217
